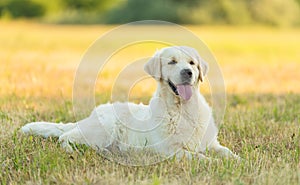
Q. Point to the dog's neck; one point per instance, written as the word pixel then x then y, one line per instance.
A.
pixel 175 102
pixel 194 112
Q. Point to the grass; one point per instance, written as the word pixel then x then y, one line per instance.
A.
pixel 260 67
pixel 266 137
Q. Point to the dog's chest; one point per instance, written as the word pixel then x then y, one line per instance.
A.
pixel 187 124
pixel 181 123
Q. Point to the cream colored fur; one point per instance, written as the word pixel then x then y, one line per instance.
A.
pixel 169 125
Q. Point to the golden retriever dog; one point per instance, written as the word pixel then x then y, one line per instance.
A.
pixel 178 120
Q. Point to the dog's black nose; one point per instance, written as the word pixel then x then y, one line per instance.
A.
pixel 186 73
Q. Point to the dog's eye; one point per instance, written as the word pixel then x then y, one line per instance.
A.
pixel 192 62
pixel 173 62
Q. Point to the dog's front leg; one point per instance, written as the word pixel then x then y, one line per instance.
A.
pixel 222 150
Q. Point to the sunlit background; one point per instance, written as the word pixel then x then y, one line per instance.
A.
pixel 255 42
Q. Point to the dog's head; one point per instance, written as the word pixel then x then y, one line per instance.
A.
pixel 180 67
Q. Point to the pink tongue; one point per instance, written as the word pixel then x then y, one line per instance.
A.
pixel 185 91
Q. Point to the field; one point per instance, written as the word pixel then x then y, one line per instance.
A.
pixel 260 66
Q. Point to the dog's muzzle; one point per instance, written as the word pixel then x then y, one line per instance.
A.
pixel 186 76
pixel 183 90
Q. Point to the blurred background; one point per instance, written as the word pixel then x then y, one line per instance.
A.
pixel 256 42
pixel 228 12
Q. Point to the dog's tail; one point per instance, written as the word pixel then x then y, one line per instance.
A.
pixel 47 129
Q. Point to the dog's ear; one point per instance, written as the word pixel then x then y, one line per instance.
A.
pixel 203 69
pixel 153 66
